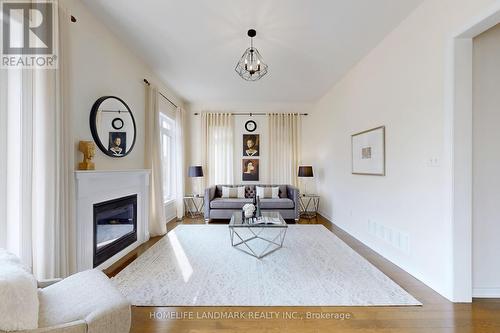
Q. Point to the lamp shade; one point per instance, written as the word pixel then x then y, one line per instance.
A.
pixel 306 171
pixel 195 171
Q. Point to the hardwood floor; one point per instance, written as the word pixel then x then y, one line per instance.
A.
pixel 436 315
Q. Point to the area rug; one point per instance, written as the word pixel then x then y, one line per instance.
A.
pixel 195 265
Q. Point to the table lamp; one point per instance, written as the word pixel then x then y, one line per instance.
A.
pixel 195 171
pixel 305 171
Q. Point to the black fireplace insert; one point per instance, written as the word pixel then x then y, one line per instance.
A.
pixel 115 227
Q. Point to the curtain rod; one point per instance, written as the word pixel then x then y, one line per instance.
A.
pixel 256 114
pixel 159 92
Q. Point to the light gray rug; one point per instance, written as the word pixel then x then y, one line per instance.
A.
pixel 195 265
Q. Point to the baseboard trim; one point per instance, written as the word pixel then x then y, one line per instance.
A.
pixel 172 219
pixel 417 276
pixel 326 216
pixel 486 292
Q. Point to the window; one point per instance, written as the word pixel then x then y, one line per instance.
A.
pixel 167 132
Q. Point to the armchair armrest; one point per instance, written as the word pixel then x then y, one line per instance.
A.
pixel 294 194
pixel 209 196
pixel 47 282
pixel 116 318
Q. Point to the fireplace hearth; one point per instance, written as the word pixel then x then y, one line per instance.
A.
pixel 115 227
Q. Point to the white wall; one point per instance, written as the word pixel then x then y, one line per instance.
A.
pixel 101 64
pixel 399 84
pixel 486 165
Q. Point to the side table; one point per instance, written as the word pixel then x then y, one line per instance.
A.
pixel 309 206
pixel 194 205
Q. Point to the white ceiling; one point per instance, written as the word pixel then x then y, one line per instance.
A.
pixel 193 45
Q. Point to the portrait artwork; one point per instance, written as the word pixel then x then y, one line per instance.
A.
pixel 250 170
pixel 251 145
pixel 117 143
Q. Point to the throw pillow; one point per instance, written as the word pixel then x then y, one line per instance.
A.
pixel 18 295
pixel 229 192
pixel 233 192
pixel 267 192
pixel 241 192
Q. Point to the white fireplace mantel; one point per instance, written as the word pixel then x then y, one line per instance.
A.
pixel 98 186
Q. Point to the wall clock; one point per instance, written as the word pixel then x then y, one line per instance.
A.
pixel 250 126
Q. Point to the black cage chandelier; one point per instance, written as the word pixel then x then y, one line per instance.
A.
pixel 251 66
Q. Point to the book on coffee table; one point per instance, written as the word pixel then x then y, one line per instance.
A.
pixel 267 220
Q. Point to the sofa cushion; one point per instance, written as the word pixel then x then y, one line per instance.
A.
pixel 267 192
pixel 251 190
pixel 276 204
pixel 81 297
pixel 18 295
pixel 233 192
pixel 229 203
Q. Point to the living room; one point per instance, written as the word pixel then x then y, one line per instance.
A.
pixel 212 166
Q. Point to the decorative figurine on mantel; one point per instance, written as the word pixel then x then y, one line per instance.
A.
pixel 88 150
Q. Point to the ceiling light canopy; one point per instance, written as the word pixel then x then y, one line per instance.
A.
pixel 251 66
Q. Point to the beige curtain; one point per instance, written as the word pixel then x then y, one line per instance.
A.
pixel 284 147
pixel 36 195
pixel 152 149
pixel 180 169
pixel 218 148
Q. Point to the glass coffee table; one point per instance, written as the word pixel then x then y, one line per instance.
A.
pixel 257 237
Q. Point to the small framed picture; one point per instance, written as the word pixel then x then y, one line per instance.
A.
pixel 117 143
pixel 251 145
pixel 250 170
pixel 250 126
pixel 368 152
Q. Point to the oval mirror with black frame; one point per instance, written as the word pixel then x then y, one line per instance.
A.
pixel 113 126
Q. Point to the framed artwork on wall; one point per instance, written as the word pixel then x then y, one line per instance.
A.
pixel 251 145
pixel 250 170
pixel 117 145
pixel 368 152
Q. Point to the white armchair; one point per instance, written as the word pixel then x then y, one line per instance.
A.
pixel 86 302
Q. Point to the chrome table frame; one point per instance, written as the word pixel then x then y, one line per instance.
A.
pixel 190 201
pixel 309 210
pixel 257 231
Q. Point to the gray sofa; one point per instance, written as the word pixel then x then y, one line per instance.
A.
pixel 217 207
